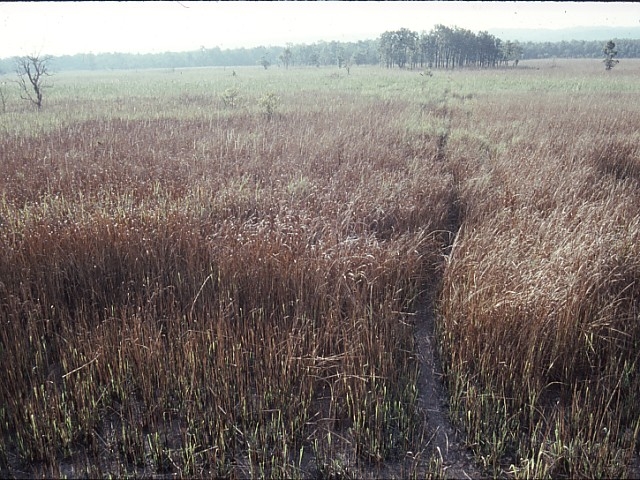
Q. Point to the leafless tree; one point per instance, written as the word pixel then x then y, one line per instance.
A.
pixel 32 71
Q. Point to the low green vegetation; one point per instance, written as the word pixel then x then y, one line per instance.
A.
pixel 216 272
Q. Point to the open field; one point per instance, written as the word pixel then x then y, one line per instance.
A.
pixel 206 274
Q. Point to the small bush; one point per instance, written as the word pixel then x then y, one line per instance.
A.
pixel 231 97
pixel 269 103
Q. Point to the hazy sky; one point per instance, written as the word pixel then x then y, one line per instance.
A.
pixel 59 28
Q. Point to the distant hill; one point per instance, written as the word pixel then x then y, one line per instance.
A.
pixel 566 34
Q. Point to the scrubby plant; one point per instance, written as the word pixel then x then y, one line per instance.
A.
pixel 269 103
pixel 231 97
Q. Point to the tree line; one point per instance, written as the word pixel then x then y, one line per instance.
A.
pixel 445 47
pixel 318 54
pixel 442 47
pixel 627 48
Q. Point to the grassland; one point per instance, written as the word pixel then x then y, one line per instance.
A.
pixel 204 273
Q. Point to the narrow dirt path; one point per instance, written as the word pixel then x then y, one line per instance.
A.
pixel 458 462
pixel 634 469
pixel 456 459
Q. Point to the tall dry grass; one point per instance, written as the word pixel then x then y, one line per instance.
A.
pixel 193 288
pixel 215 296
pixel 540 317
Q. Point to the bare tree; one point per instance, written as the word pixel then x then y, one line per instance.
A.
pixel 32 71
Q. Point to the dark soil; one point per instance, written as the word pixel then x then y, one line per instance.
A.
pixel 446 441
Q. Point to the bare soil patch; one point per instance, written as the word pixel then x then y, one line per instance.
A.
pixel 447 440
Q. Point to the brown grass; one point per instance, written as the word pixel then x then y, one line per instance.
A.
pixel 214 297
pixel 540 304
pixel 203 289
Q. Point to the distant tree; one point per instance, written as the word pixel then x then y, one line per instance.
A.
pixel 335 54
pixel 315 59
pixel 517 53
pixel 445 47
pixel 427 45
pixel 264 61
pixel 385 46
pixel 511 52
pixel 32 71
pixel 285 57
pixel 398 47
pixel 610 52
pixel 349 63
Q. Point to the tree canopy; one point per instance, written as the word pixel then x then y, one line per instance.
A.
pixel 442 47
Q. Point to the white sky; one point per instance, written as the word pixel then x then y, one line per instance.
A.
pixel 59 28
